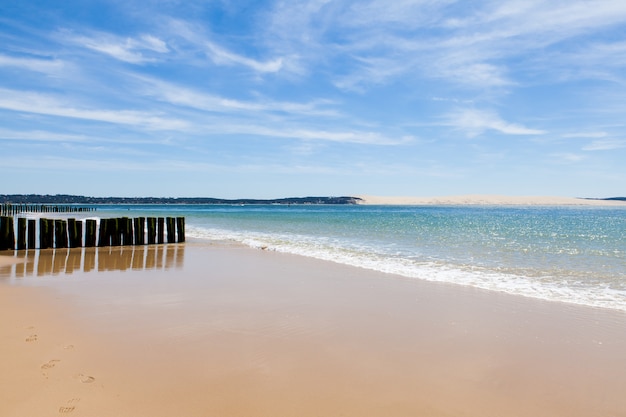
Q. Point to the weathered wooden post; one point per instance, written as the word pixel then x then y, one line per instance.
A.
pixel 7 233
pixel 127 231
pixel 105 238
pixel 60 233
pixel 31 234
pixel 21 233
pixel 90 233
pixel 171 233
pixel 115 232
pixel 140 230
pixel 75 230
pixel 151 230
pixel 160 224
pixel 44 234
pixel 180 225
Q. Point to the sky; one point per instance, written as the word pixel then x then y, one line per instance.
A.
pixel 270 99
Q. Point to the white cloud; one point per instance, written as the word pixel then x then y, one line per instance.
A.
pixel 39 135
pixel 197 37
pixel 222 56
pixel 46 66
pixel 466 43
pixel 138 50
pixel 475 122
pixel 30 102
pixel 312 134
pixel 183 96
pixel 605 145
pixel 569 157
pixel 585 135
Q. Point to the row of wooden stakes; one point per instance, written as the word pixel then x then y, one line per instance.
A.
pixel 8 209
pixel 68 233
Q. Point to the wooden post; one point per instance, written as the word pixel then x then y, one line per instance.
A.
pixel 105 238
pixel 31 234
pixel 180 225
pixel 127 231
pixel 160 224
pixel 21 233
pixel 114 225
pixel 60 233
pixel 140 230
pixel 90 233
pixel 151 230
pixel 44 242
pixel 75 230
pixel 171 232
pixel 7 233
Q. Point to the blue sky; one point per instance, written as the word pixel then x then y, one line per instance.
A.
pixel 270 99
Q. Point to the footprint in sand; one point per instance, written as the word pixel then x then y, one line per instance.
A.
pixel 50 364
pixel 32 338
pixel 65 410
pixel 85 379
pixel 68 408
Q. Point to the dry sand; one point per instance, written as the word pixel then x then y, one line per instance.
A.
pixel 477 199
pixel 202 330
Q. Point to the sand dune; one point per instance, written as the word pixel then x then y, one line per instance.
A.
pixel 479 199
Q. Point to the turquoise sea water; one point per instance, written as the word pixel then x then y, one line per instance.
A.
pixel 567 254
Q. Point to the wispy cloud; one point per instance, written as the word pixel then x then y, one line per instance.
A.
pixel 40 135
pixel 134 50
pixel 194 98
pixel 568 157
pixel 222 56
pixel 605 145
pixel 32 102
pixel 585 135
pixel 311 134
pixel 475 122
pixel 46 66
pixel 466 45
pixel 197 37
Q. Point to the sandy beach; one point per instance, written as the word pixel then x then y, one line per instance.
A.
pixel 216 330
pixel 479 199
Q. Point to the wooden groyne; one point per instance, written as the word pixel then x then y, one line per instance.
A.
pixel 73 233
pixel 8 209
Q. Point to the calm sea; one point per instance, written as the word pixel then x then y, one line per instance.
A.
pixel 568 254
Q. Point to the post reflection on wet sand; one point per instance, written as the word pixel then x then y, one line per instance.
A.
pixel 67 261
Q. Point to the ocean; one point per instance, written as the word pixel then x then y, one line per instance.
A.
pixel 563 254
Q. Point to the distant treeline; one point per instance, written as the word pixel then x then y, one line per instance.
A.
pixel 76 199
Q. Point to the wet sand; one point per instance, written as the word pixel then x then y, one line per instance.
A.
pixel 217 330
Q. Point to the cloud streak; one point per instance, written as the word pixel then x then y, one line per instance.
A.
pixel 45 104
pixel 135 50
pixel 475 122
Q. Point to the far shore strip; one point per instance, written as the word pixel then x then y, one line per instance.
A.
pixel 476 199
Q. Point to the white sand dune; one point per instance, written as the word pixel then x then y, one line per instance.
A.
pixel 479 199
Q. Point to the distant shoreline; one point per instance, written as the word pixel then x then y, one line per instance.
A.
pixel 76 199
pixel 499 200
pixel 471 199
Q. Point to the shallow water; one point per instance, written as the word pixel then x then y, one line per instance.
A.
pixel 568 254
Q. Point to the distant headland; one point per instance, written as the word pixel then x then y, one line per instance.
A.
pixel 76 199
pixel 473 199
